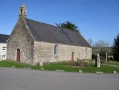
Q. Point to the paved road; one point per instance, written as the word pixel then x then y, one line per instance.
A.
pixel 21 79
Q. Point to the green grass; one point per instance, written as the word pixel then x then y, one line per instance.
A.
pixel 113 63
pixel 61 66
pixel 103 68
pixel 7 63
pixel 90 69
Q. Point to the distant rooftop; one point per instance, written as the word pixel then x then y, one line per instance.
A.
pixel 3 38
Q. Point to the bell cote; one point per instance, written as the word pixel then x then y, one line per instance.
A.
pixel 22 11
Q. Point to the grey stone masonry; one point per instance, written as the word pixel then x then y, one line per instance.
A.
pixel 20 39
pixel 44 52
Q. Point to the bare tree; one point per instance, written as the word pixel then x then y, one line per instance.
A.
pixel 90 41
pixel 101 44
pixel 102 48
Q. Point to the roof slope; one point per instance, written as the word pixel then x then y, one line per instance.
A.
pixel 50 33
pixel 3 38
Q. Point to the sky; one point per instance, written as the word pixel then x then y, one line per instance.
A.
pixel 96 19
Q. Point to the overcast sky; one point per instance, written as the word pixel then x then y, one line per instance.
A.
pixel 96 19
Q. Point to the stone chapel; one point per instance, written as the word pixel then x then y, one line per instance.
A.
pixel 33 42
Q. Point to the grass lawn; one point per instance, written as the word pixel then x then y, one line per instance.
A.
pixel 90 69
pixel 6 63
pixel 113 63
pixel 61 66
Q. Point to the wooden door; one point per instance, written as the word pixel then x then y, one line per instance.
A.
pixel 72 57
pixel 18 55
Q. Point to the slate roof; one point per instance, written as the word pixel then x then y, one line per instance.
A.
pixel 50 33
pixel 3 38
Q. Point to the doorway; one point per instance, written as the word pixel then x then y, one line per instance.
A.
pixel 18 55
pixel 72 57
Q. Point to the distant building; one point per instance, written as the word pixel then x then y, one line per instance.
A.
pixel 33 42
pixel 3 46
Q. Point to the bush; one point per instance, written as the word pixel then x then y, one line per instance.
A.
pixel 94 56
pixel 81 63
pixel 115 48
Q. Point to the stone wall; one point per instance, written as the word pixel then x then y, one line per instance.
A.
pixel 20 39
pixel 44 52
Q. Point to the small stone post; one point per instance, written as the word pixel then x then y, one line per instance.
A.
pixel 41 63
pixel 98 61
pixel 106 57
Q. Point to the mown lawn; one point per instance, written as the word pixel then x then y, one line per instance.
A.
pixel 113 63
pixel 90 69
pixel 61 66
pixel 7 63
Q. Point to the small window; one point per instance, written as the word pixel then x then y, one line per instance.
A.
pixel 21 11
pixel 56 49
pixel 4 55
pixel 86 53
pixel 4 48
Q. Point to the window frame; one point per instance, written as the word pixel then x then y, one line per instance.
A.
pixel 56 50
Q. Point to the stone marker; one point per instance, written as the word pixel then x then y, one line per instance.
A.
pixel 98 61
pixel 99 72
pixel 42 68
pixel 114 72
pixel 80 71
pixel 13 66
pixel 27 67
pixel 59 70
pixel 106 57
pixel 41 63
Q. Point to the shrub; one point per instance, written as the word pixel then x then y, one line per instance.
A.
pixel 94 57
pixel 81 63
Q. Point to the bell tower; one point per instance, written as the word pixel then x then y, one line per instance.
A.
pixel 22 11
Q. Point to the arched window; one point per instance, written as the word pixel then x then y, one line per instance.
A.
pixel 56 49
pixel 86 53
